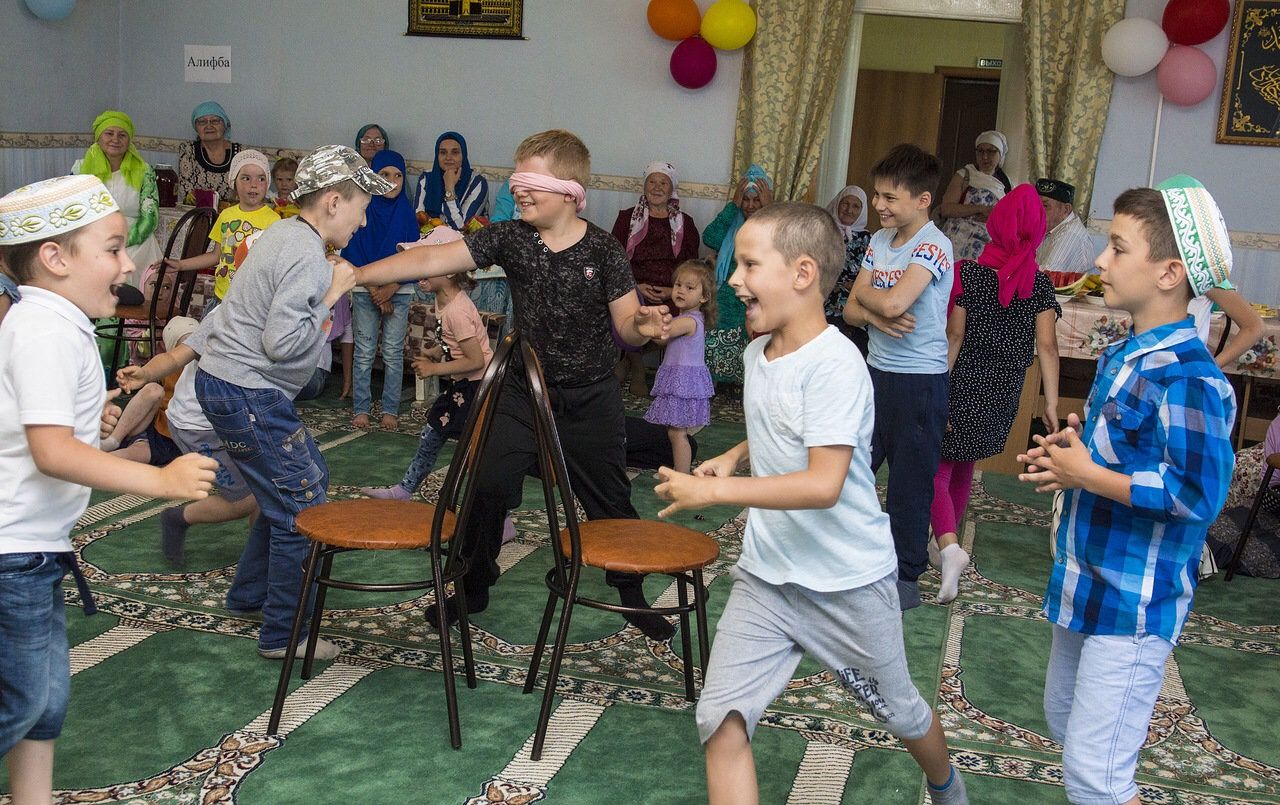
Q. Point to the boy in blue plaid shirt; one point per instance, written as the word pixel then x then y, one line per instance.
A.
pixel 1143 480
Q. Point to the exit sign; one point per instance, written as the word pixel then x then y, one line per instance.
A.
pixel 994 63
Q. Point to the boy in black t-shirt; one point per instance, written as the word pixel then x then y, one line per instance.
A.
pixel 570 280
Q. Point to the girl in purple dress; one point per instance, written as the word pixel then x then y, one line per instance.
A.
pixel 683 389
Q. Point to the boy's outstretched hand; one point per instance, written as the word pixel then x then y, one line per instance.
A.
pixel 1060 460
pixel 683 490
pixel 653 321
pixel 130 379
pixel 344 279
pixel 110 415
pixel 188 477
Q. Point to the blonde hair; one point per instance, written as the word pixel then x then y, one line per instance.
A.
pixel 566 155
pixel 707 277
pixel 799 229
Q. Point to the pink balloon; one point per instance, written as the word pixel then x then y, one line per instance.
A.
pixel 1192 22
pixel 1186 75
pixel 693 63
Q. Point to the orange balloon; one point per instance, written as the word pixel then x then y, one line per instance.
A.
pixel 674 19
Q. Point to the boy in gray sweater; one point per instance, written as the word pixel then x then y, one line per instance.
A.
pixel 257 350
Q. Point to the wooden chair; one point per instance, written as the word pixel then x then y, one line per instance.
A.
pixel 1264 489
pixel 340 526
pixel 631 546
pixel 162 302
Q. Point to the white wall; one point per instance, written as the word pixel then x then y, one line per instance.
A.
pixel 58 75
pixel 309 72
pixel 1241 177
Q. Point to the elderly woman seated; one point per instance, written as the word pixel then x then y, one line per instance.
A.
pixel 114 159
pixel 204 162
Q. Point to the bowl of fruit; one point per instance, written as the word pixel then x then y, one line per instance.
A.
pixel 1070 284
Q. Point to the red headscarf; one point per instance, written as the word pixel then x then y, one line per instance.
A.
pixel 1017 227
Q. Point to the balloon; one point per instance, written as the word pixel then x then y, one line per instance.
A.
pixel 674 19
pixel 1133 46
pixel 51 10
pixel 1186 75
pixel 693 63
pixel 729 24
pixel 1192 22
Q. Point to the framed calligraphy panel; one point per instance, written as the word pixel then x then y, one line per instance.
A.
pixel 1250 111
pixel 483 19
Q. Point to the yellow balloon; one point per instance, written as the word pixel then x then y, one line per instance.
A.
pixel 729 24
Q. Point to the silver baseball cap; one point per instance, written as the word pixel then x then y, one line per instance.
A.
pixel 330 164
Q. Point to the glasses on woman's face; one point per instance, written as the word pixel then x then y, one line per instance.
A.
pixel 372 140
pixel 208 121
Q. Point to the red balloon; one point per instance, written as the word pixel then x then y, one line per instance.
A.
pixel 693 63
pixel 1191 22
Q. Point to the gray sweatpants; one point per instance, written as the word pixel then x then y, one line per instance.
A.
pixel 856 635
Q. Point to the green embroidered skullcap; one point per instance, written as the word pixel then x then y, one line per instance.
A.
pixel 53 207
pixel 1199 230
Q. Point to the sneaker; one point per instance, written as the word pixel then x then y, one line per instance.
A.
pixel 396 492
pixel 324 651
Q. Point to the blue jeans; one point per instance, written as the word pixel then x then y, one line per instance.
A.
pixel 280 462
pixel 35 669
pixel 911 415
pixel 314 386
pixel 369 321
pixel 1099 693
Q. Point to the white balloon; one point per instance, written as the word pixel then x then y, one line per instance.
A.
pixel 1134 46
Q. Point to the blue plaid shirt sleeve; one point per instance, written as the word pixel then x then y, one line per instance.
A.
pixel 1194 430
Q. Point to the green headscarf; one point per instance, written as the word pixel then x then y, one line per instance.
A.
pixel 95 162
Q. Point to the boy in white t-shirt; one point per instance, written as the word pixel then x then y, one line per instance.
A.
pixel 902 293
pixel 816 572
pixel 64 241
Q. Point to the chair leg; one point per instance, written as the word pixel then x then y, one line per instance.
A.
pixel 282 687
pixel 446 656
pixel 464 630
pixel 1248 524
pixel 117 343
pixel 553 668
pixel 700 604
pixel 531 678
pixel 686 642
pixel 317 611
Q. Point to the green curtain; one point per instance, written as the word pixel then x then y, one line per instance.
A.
pixel 1068 88
pixel 789 77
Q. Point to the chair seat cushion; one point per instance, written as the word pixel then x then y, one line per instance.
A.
pixel 642 546
pixel 374 525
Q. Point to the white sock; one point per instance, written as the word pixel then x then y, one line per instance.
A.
pixel 954 560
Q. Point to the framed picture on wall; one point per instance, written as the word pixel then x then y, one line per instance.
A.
pixel 1250 111
pixel 482 19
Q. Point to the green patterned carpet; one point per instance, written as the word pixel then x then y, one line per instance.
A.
pixel 169 698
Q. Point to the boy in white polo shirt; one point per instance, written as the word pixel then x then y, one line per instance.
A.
pixel 64 241
pixel 817 570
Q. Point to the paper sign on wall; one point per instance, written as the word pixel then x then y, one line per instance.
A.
pixel 207 64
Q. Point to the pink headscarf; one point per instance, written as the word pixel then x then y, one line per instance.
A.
pixel 528 180
pixel 639 226
pixel 1017 227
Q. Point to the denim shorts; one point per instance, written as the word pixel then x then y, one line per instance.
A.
pixel 35 676
pixel 1099 693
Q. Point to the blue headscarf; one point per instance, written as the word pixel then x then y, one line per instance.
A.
pixel 431 185
pixel 388 221
pixel 755 176
pixel 211 108
pixel 386 138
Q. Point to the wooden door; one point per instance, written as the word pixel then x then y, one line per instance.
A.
pixel 968 109
pixel 892 107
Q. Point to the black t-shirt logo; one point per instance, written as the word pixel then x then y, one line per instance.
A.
pixel 589 272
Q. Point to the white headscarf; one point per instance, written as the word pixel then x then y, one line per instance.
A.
pixel 639 226
pixel 833 208
pixel 996 139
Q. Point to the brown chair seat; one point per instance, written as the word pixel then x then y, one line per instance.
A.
pixel 374 525
pixel 642 546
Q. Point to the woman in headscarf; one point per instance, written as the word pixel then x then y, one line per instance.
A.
pixel 1005 315
pixel 451 191
pixel 370 139
pixel 727 340
pixel 114 159
pixel 384 309
pixel 849 210
pixel 972 193
pixel 204 162
pixel 658 237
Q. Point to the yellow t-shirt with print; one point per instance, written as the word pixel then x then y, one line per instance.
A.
pixel 234 232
